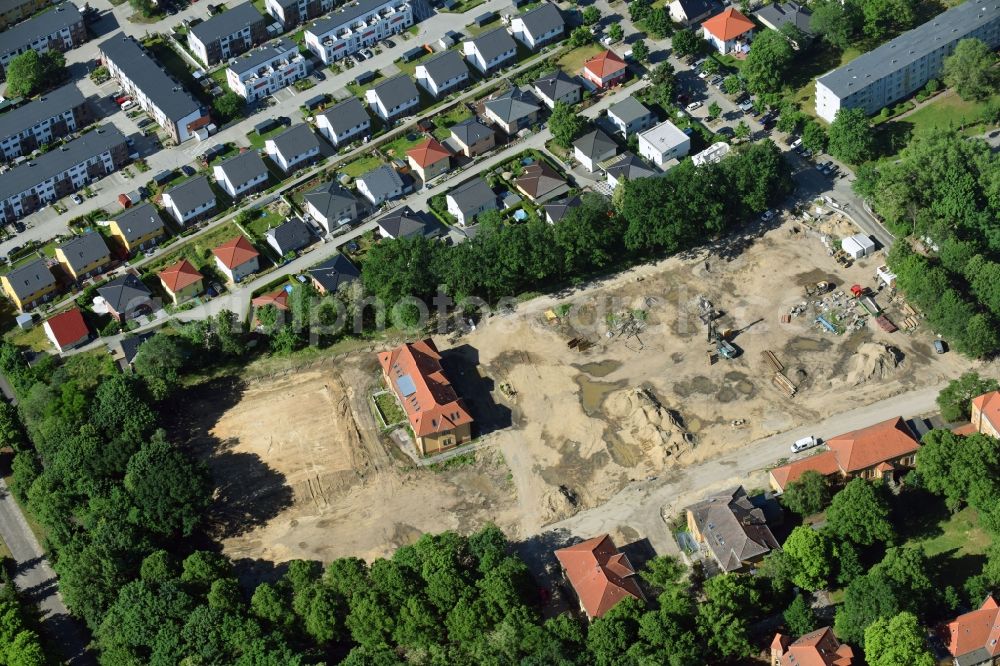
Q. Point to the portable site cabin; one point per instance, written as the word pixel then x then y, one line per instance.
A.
pixel 858 246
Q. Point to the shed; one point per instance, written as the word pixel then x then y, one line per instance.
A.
pixel 266 125
pixel 886 276
pixel 483 19
pixel 365 77
pixel 413 54
pixel 858 246
pixel 164 177
pixel 25 320
pixel 316 101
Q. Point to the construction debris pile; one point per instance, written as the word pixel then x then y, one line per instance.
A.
pixel 779 379
pixel 835 311
pixel 873 361
pixel 644 422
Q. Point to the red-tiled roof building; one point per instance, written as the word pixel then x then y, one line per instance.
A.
pixel 67 330
pixel 437 415
pixel 430 159
pixel 237 258
pixel 974 638
pixel 181 280
pixel 600 575
pixel 605 69
pixel 986 413
pixel 729 31
pixel 817 648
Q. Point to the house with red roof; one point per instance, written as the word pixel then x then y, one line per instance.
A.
pixel 817 648
pixel 436 413
pixel 182 281
pixel 878 451
pixel 600 575
pixel 430 159
pixel 974 638
pixel 605 70
pixel 67 330
pixel 986 413
pixel 278 299
pixel 237 258
pixel 729 32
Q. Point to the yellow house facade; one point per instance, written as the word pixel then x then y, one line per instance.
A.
pixel 29 285
pixel 138 228
pixel 182 281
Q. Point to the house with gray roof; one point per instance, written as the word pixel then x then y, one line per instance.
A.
pixel 539 26
pixel 126 298
pixel 84 256
pixel 242 174
pixel 557 86
pixel 513 110
pixel 228 34
pixel 777 15
pixel 692 12
pixel 330 274
pixel 904 65
pixel 402 222
pixel 37 123
pixel 59 29
pixel 380 185
pixel 491 50
pixel 13 11
pixel 357 25
pixel 470 199
pixel 628 167
pixel 138 227
pixel 190 201
pixel 294 148
pixel 29 285
pixel 593 148
pixel 556 210
pixel 472 138
pixel 155 91
pixel 331 206
pixel 393 97
pixel 344 122
pixel 629 116
pixel 442 73
pixel 733 528
pixel 289 237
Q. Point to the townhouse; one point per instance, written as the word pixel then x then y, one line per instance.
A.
pixel 14 11
pixel 156 92
pixel 905 64
pixel 29 285
pixel 442 73
pixel 60 172
pixel 59 29
pixel 557 87
pixel 664 144
pixel 491 50
pixel 393 97
pixel 228 34
pixel 242 174
pixel 539 26
pixel 84 256
pixel 292 13
pixel 190 201
pixel 294 148
pixel 50 117
pixel 357 26
pixel 266 70
pixel 344 121
pixel 138 227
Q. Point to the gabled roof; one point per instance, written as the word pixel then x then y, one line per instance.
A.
pixel 605 64
pixel 494 43
pixel 139 221
pixel 427 153
pixel 728 25
pixel 279 299
pixel 403 223
pixel 290 236
pixel 329 198
pixel 695 8
pixel 557 210
pixel 778 15
pixel 630 167
pixel 396 91
pixel 976 635
pixel 243 168
pixel 347 114
pixel 177 276
pixel 817 648
pixel 445 66
pixel 988 405
pixel 866 447
pixel 382 181
pixel 226 23
pixel 556 84
pixel 734 529
pixel 824 463
pixel 542 19
pixel 600 574
pixel 130 345
pixel 235 252
pixel 191 193
pixel 628 110
pixel 68 327
pixel 83 250
pixel 124 293
pixel 39 26
pixel 431 404
pixel 539 179
pixel 471 131
pixel 472 195
pixel 333 272
pixel 512 105
pixel 51 104
pixel 30 278
pixel 595 144
pixel 296 140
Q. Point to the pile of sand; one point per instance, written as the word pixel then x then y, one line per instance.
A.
pixel 873 361
pixel 643 422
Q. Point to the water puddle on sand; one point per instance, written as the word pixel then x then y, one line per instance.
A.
pixel 599 368
pixel 592 393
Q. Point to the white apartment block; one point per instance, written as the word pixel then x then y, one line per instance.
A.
pixel 901 67
pixel 228 34
pixel 266 70
pixel 664 143
pixel 295 12
pixel 357 26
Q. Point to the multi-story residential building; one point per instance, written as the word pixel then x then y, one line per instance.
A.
pixel 84 256
pixel 13 11
pixel 242 174
pixel 664 144
pixel 294 148
pixel 266 70
pixel 155 91
pixel 138 227
pixel 37 123
pixel 393 97
pixel 442 73
pixel 57 173
pixel 57 30
pixel 29 285
pixel 901 67
pixel 292 13
pixel 538 26
pixel 356 26
pixel 190 201
pixel 228 34
pixel 491 50
pixel 344 121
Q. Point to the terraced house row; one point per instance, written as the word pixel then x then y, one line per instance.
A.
pixel 59 29
pixel 357 26
pixel 50 117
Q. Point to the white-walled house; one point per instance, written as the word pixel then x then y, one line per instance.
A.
pixel 242 174
pixel 442 73
pixel 470 199
pixel 294 148
pixel 344 122
pixel 393 97
pixel 491 50
pixel 539 26
pixel 729 31
pixel 664 143
pixel 237 258
pixel 356 26
pixel 190 201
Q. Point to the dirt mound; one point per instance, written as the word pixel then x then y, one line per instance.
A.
pixel 641 422
pixel 873 361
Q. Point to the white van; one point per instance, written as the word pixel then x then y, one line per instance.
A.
pixel 128 105
pixel 804 443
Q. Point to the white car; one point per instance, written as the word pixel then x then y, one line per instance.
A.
pixel 767 215
pixel 77 199
pixel 804 443
pixel 693 105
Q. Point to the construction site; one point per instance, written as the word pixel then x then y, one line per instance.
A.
pixel 638 375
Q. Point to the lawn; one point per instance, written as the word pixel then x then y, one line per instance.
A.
pixel 821 59
pixel 410 68
pixel 232 150
pixel 572 61
pixel 946 110
pixel 258 227
pixel 397 147
pixel 34 338
pixel 257 140
pixel 390 409
pixel 361 166
pixel 961 535
pixel 462 7
pixel 197 250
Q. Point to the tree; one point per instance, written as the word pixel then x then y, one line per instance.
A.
pixel 897 641
pixel 170 491
pixel 799 616
pixel 742 131
pixel 851 138
pixel 732 84
pixel 616 32
pixel 955 400
pixel 685 43
pixel 580 36
pixel 663 572
pixel 808 494
pixel 961 469
pixel 723 619
pixel 566 125
pixel 767 63
pixel 663 79
pixel 144 7
pixel 658 22
pixel 860 513
pixel 814 136
pixel 159 362
pixel 714 110
pixel 227 106
pixel 25 74
pixel 640 51
pixel 834 21
pixel 591 15
pixel 809 553
pixel 638 10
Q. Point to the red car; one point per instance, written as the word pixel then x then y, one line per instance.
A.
pixel 122 99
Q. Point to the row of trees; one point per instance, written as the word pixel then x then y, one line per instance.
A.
pixel 864 22
pixel 20 644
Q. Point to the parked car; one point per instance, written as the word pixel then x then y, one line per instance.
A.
pixel 389 43
pixel 804 443
pixel 188 170
pixel 746 106
pixel 319 75
pixel 725 131
pixel 796 142
pixel 832 170
pixel 806 152
pixel 77 199
pixel 939 346
pixel 716 80
pixel 767 215
pixel 821 165
pixel 692 106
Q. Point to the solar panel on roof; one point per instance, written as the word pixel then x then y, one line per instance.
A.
pixel 406 386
